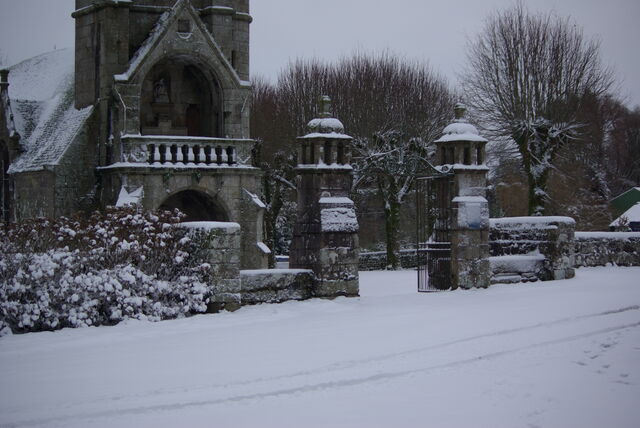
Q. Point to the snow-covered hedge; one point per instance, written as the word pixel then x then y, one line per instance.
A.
pixel 99 270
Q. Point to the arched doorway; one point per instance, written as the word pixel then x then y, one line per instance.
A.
pixel 198 206
pixel 178 98
pixel 5 187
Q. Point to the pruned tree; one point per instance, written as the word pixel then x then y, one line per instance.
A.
pixel 395 109
pixel 391 161
pixel 526 79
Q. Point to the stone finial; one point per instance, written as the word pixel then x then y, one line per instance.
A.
pixel 460 111
pixel 324 106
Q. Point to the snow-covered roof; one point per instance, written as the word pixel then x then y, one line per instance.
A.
pixel 325 125
pixel 42 96
pixel 631 215
pixel 327 135
pixel 460 129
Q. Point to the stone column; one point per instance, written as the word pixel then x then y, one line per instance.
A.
pixel 325 236
pixel 469 207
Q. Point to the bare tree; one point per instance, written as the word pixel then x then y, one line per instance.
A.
pixel 527 77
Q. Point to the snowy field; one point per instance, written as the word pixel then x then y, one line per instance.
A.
pixel 555 354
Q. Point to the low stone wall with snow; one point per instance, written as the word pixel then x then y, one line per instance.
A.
pixel 517 268
pixel 377 260
pixel 532 247
pixel 603 248
pixel 276 285
pixel 222 248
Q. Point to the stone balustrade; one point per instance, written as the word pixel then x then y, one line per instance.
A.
pixel 186 151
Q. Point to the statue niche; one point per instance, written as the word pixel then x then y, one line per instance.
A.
pixel 178 99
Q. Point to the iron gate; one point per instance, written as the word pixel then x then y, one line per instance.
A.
pixel 434 194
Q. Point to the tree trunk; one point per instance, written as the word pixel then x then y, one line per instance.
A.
pixel 537 184
pixel 392 223
pixel 273 198
pixel 537 192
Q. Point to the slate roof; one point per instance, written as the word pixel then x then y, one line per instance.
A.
pixel 41 90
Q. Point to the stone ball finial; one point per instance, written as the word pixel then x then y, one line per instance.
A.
pixel 460 110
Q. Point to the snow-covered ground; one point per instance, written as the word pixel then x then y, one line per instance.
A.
pixel 554 354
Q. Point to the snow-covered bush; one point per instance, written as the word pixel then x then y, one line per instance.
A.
pixel 98 270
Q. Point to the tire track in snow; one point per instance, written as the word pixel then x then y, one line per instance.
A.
pixel 344 365
pixel 320 386
pixel 390 356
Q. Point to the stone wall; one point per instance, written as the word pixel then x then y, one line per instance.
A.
pixel 222 248
pixel 370 209
pixel 34 194
pixel 550 237
pixel 377 260
pixel 521 249
pixel 232 287
pixel 276 285
pixel 226 186
pixel 603 248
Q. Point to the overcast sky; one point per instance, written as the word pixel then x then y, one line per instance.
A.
pixel 328 29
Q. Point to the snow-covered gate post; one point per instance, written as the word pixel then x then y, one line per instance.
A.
pixel 325 236
pixel 461 149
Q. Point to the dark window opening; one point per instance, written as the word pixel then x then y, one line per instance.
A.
pixel 451 155
pixel 98 53
pixel 184 26
pixel 193 120
pixel 234 59
pixel 479 156
pixel 341 154
pixel 327 152
pixel 467 156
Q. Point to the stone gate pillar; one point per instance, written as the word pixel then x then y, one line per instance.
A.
pixel 325 236
pixel 461 150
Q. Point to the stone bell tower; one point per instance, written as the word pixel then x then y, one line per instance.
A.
pixel 325 236
pixel 461 150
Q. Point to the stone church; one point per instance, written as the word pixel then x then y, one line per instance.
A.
pixel 151 108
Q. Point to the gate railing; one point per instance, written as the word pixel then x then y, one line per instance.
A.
pixel 434 195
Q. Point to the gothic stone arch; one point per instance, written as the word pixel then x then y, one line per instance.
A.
pixel 197 205
pixel 202 52
pixel 181 98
